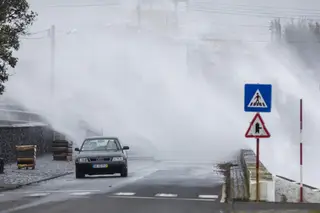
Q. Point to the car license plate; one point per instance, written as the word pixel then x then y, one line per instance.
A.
pixel 100 166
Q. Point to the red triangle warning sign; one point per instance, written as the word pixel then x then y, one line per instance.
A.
pixel 257 129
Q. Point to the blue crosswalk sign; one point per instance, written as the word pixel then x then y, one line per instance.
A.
pixel 257 97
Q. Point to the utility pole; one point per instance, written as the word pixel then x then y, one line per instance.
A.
pixel 52 34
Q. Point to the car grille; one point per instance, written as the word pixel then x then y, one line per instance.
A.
pixel 99 159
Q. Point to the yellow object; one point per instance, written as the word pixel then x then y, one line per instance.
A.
pixel 26 166
pixel 25 147
pixel 25 158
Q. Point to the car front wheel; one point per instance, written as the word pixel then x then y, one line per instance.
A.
pixel 124 172
pixel 79 174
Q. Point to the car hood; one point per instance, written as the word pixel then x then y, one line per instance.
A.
pixel 100 153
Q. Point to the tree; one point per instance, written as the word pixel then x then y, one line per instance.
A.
pixel 15 18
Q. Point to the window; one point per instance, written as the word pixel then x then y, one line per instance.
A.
pixel 101 144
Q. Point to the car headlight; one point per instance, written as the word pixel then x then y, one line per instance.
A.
pixel 83 160
pixel 117 159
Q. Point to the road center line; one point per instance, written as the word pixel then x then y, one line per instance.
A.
pixel 166 195
pixel 38 194
pixel 80 193
pixel 125 193
pixel 163 198
pixel 60 191
pixel 208 196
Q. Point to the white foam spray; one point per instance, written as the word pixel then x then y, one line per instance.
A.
pixel 138 83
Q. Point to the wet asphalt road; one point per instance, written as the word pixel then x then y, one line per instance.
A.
pixel 157 186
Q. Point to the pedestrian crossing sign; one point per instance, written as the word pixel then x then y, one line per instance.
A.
pixel 257 97
pixel 257 100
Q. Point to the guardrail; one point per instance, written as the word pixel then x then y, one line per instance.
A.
pixel 266 180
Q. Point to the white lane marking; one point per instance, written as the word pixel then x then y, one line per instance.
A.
pixel 163 198
pixel 38 194
pixel 208 196
pixel 137 176
pixel 223 195
pixel 60 191
pixel 80 193
pixel 166 195
pixel 125 193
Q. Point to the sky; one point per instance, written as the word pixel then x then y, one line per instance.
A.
pixel 173 82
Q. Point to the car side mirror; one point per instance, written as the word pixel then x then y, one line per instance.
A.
pixel 77 149
pixel 125 147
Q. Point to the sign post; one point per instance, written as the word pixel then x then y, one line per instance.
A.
pixel 258 170
pixel 257 99
pixel 257 130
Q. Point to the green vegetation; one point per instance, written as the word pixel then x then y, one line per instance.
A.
pixel 15 18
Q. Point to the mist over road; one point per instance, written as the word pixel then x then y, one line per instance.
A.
pixel 150 185
pixel 174 77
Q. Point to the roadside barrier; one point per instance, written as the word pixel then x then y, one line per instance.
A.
pixel 26 156
pixel 266 180
pixel 238 189
pixel 62 150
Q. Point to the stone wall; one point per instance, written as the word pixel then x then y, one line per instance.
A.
pixel 40 135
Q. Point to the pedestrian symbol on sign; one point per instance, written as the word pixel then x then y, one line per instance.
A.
pixel 258 127
pixel 257 101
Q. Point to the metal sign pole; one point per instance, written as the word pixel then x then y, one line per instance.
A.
pixel 257 171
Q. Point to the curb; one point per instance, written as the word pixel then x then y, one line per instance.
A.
pixel 37 181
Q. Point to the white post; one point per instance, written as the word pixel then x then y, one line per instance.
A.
pixel 301 154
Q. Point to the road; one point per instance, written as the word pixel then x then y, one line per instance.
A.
pixel 157 186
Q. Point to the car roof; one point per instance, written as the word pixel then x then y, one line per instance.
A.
pixel 101 137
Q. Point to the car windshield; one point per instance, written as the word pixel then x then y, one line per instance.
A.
pixel 103 144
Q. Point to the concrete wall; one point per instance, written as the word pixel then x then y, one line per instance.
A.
pixel 10 136
pixel 266 180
